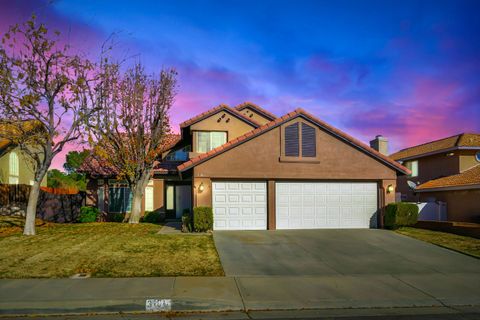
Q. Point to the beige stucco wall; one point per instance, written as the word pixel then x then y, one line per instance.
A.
pixel 218 122
pixel 467 159
pixel 259 159
pixel 26 168
pixel 252 114
pixel 437 166
pixel 462 205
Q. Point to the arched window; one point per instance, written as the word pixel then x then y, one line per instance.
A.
pixel 14 168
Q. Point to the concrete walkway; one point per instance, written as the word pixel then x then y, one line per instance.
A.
pixel 52 296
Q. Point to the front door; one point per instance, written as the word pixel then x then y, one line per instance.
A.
pixel 178 197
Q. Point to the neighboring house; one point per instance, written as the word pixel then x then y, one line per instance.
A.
pixel 444 170
pixel 16 167
pixel 261 172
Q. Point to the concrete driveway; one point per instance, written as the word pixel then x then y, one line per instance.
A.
pixel 334 252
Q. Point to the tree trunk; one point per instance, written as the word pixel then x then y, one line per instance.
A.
pixel 29 229
pixel 136 206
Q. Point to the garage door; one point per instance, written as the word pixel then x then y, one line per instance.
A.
pixel 314 205
pixel 239 205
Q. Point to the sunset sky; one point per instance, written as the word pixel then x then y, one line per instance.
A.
pixel 409 70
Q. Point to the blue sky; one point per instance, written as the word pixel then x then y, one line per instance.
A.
pixel 406 69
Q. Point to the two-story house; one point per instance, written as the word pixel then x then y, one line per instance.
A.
pixel 445 170
pixel 16 167
pixel 258 171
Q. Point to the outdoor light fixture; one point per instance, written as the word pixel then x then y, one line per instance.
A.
pixel 201 187
pixel 390 188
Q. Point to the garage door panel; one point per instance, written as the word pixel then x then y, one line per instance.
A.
pixel 239 205
pixel 325 205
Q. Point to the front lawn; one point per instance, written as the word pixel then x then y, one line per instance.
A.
pixel 463 244
pixel 103 250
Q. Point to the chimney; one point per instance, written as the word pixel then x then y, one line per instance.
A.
pixel 380 143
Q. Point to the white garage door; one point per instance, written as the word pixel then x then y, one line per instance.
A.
pixel 315 205
pixel 239 205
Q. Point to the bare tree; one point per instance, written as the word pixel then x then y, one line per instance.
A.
pixel 131 126
pixel 42 86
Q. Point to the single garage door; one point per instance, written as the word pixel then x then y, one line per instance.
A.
pixel 316 205
pixel 239 205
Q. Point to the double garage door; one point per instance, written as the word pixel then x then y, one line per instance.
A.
pixel 242 205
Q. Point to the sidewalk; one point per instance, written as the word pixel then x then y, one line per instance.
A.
pixel 184 294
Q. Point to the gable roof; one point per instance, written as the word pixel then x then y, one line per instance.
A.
pixel 257 109
pixel 222 107
pixel 465 179
pixel 459 141
pixel 279 121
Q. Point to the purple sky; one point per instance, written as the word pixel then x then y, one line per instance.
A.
pixel 409 70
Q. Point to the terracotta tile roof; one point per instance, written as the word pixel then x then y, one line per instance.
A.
pixel 222 107
pixel 453 142
pixel 466 178
pixel 257 108
pixel 275 123
pixel 166 167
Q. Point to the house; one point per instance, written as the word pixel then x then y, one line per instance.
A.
pixel 259 171
pixel 16 167
pixel 444 170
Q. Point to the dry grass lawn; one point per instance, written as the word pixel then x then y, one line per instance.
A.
pixel 455 242
pixel 103 250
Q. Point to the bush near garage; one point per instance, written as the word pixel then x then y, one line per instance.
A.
pixel 202 219
pixel 118 217
pixel 88 214
pixel 400 214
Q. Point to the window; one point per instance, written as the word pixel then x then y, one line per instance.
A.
pixel 300 141
pixel 208 140
pixel 120 199
pixel 178 155
pixel 309 144
pixel 412 166
pixel 13 168
pixel 292 145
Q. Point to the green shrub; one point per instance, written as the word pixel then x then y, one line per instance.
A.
pixel 118 217
pixel 400 214
pixel 187 221
pixel 153 216
pixel 88 214
pixel 202 219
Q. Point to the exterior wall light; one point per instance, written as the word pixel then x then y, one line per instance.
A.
pixel 390 188
pixel 201 187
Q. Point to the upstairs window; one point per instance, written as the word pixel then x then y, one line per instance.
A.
pixel 300 141
pixel 178 155
pixel 292 144
pixel 208 140
pixel 14 170
pixel 412 166
pixel 309 143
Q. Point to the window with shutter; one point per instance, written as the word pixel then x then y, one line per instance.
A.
pixel 308 141
pixel 292 145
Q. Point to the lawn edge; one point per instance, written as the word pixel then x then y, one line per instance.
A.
pixel 439 245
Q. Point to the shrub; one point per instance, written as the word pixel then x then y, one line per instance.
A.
pixel 118 217
pixel 88 214
pixel 187 221
pixel 202 219
pixel 151 217
pixel 400 214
